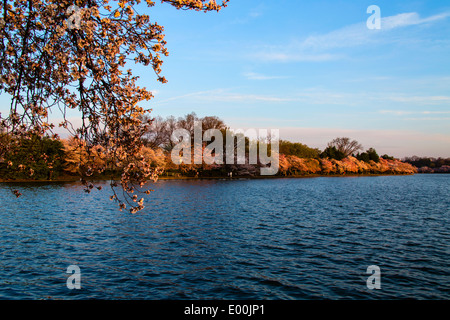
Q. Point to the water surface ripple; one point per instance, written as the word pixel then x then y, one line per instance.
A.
pixel 240 239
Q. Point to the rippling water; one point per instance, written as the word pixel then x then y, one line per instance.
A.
pixel 241 239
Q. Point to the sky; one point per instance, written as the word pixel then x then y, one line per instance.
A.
pixel 313 70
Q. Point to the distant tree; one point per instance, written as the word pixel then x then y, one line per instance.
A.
pixel 345 145
pixel 298 149
pixel 188 123
pixel 35 157
pixel 387 157
pixel 440 162
pixel 213 122
pixel 373 155
pixel 364 156
pixel 370 155
pixel 420 162
pixel 332 152
pixel 171 125
pixel 156 135
pixel 159 132
pixel 5 143
pixel 79 158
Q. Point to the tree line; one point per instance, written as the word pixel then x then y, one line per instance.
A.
pixel 429 164
pixel 46 158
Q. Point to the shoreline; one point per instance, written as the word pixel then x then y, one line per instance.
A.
pixel 349 175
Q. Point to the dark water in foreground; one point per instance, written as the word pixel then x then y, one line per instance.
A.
pixel 243 239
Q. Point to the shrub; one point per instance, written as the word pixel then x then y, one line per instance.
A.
pixel 298 149
pixel 332 152
pixel 37 158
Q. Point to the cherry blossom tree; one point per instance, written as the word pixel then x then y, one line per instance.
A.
pixel 60 55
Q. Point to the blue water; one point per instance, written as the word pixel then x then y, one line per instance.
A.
pixel 242 239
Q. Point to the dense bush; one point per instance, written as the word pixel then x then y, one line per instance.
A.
pixel 298 149
pixel 387 157
pixel 35 158
pixel 420 162
pixel 332 152
pixel 369 155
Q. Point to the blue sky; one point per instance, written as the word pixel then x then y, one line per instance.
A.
pixel 313 70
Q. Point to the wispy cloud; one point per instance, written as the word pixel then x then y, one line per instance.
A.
pixel 308 96
pixel 403 112
pixel 429 105
pixel 429 119
pixel 295 57
pixel 410 19
pixel 253 14
pixel 229 97
pixel 431 100
pixel 259 76
pixel 185 96
pixel 419 115
pixel 315 48
pixel 225 95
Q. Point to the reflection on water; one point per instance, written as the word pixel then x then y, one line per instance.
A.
pixel 240 239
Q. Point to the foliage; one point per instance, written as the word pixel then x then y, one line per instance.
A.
pixel 35 157
pixel 46 66
pixel 292 165
pixel 72 156
pixel 298 149
pixel 345 146
pixel 373 155
pixel 429 164
pixel 332 152
pixel 387 157
pixel 427 161
pixel 79 158
pixel 158 134
pixel 369 155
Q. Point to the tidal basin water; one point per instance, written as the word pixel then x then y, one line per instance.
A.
pixel 307 238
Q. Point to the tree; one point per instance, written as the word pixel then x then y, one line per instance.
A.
pixel 370 155
pixel 212 122
pixel 345 145
pixel 298 149
pixel 363 157
pixel 387 157
pixel 56 56
pixel 171 126
pixel 157 133
pixel 188 123
pixel 373 155
pixel 332 152
pixel 78 159
pixel 427 162
pixel 35 157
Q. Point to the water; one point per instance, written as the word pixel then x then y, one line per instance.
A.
pixel 242 239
